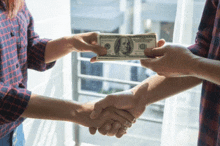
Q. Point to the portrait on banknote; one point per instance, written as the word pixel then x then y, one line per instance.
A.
pixel 123 46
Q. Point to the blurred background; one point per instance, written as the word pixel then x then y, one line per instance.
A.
pixel 74 78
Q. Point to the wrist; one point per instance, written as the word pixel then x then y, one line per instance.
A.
pixel 70 41
pixel 82 115
pixel 195 67
pixel 139 97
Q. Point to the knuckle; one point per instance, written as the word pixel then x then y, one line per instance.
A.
pixel 109 97
pixel 117 125
pixel 97 105
pixel 93 34
pixel 167 46
pixel 107 113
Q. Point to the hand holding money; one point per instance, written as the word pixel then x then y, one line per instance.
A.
pixel 126 47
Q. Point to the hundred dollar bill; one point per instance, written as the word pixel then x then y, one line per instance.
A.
pixel 126 47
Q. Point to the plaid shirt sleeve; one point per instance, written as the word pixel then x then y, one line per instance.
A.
pixel 204 34
pixel 36 47
pixel 13 102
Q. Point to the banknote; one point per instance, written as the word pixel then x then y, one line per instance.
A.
pixel 126 47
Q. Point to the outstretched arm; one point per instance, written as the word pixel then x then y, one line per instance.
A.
pixel 84 42
pixel 149 91
pixel 41 107
pixel 177 61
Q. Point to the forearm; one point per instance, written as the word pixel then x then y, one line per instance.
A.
pixel 207 69
pixel 158 88
pixel 85 42
pixel 58 48
pixel 41 107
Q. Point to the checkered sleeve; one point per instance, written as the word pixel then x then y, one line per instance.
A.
pixel 13 102
pixel 204 34
pixel 36 47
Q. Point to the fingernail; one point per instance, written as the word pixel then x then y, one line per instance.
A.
pixel 128 123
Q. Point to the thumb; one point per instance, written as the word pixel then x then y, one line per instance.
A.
pixel 154 52
pixel 150 52
pixel 99 106
pixel 119 100
pixel 97 49
pixel 161 42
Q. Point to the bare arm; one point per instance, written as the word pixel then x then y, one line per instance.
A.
pixel 177 61
pixel 158 87
pixel 47 108
pixel 149 91
pixel 85 42
pixel 41 107
pixel 207 69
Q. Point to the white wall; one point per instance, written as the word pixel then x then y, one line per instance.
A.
pixel 52 20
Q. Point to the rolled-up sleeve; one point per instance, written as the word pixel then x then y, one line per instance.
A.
pixel 13 102
pixel 36 48
pixel 204 34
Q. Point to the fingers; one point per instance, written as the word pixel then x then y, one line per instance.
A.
pixel 121 132
pixel 93 60
pixel 105 128
pixel 117 101
pixel 154 52
pixel 96 49
pixel 115 128
pixel 90 37
pixel 147 62
pixel 91 41
pixel 158 51
pixel 125 114
pixel 109 114
pixel 92 130
pixel 161 42
pixel 99 106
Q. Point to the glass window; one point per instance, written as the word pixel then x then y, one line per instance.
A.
pixel 99 79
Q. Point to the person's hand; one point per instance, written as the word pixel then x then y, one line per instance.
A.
pixel 108 115
pixel 129 103
pixel 87 42
pixel 169 60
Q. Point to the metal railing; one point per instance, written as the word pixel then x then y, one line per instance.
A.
pixel 77 77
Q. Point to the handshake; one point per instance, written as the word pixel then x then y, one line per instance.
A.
pixel 112 115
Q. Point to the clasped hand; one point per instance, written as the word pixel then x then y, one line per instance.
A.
pixel 124 106
pixel 112 120
pixel 172 60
